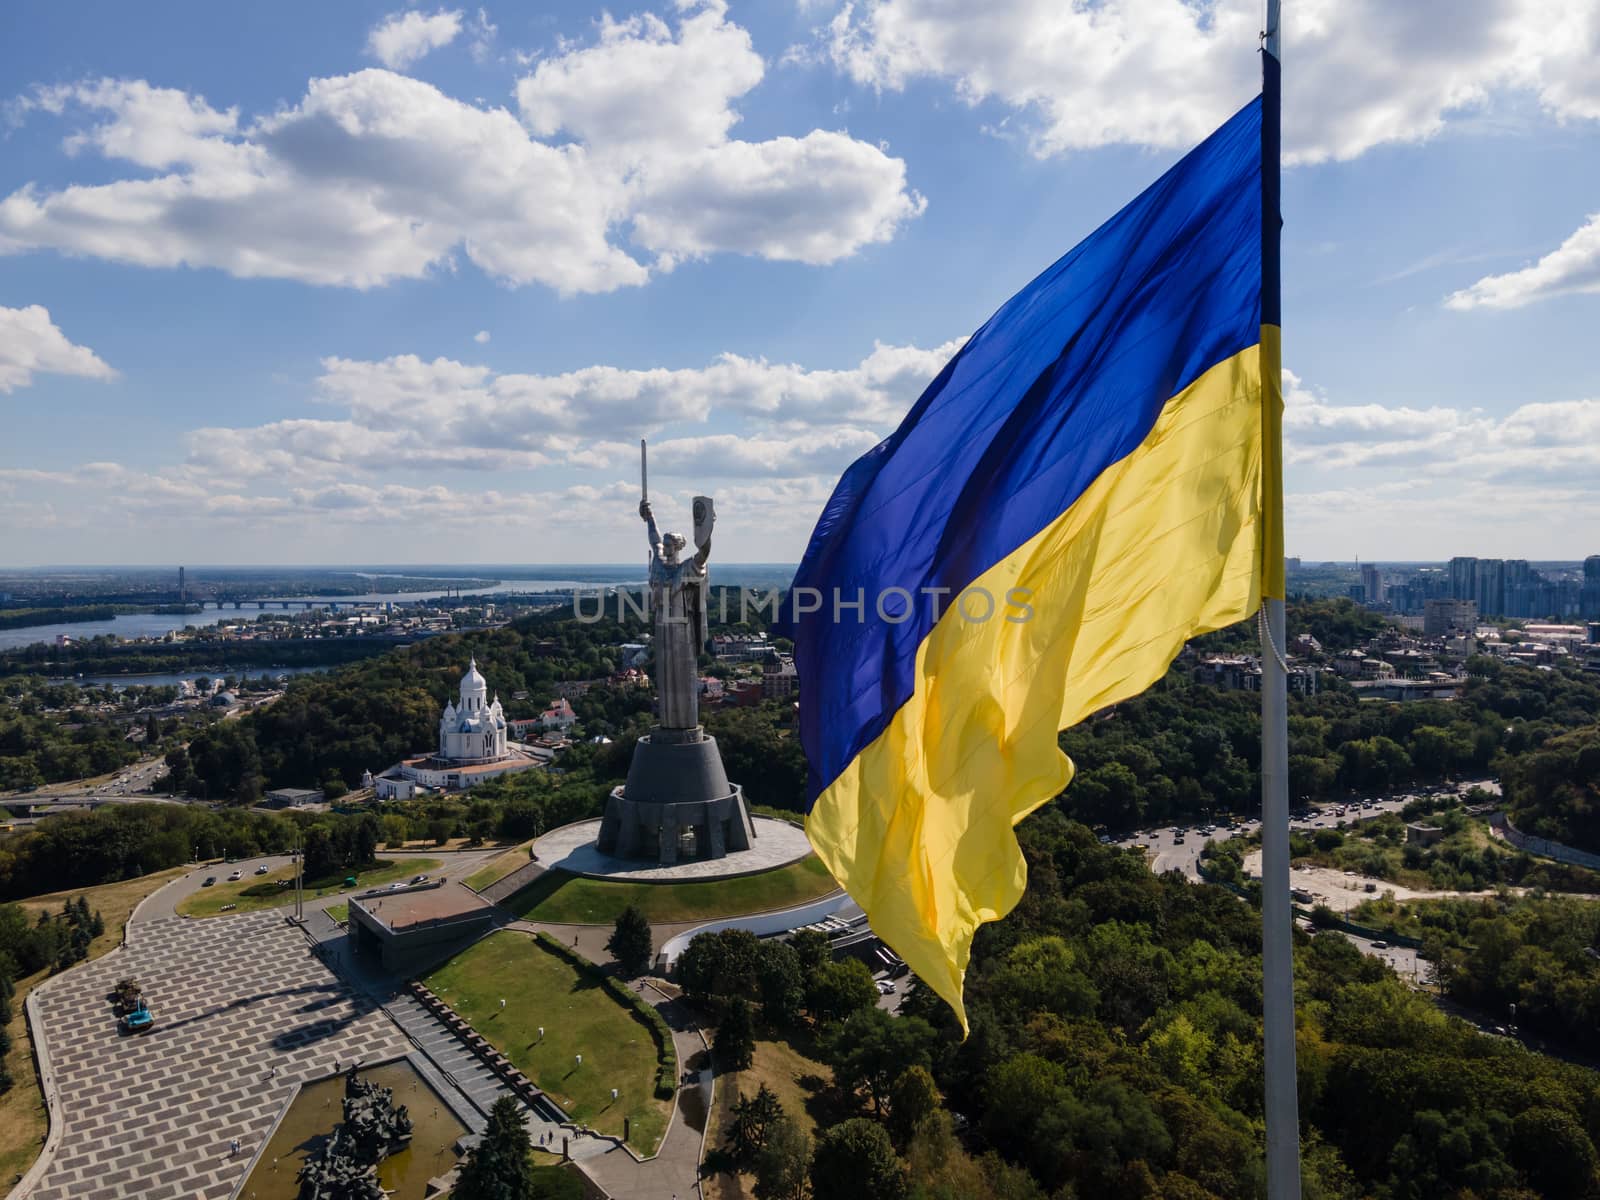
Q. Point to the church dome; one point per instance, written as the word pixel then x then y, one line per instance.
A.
pixel 473 683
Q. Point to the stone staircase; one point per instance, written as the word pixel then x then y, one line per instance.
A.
pixel 484 1074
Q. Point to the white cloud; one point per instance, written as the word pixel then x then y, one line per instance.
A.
pixel 31 343
pixel 1533 444
pixel 1317 432
pixel 660 107
pixel 481 337
pixel 408 414
pixel 375 176
pixel 1573 267
pixel 449 403
pixel 825 453
pixel 1166 72
pixel 400 39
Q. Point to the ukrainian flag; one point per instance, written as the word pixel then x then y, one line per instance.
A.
pixel 1091 481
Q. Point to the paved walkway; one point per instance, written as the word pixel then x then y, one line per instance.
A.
pixel 244 1014
pixel 572 848
pixel 674 1173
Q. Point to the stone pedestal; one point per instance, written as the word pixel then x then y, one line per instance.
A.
pixel 677 804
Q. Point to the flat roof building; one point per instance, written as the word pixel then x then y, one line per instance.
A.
pixel 406 928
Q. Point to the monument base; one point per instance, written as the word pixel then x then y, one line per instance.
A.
pixel 677 805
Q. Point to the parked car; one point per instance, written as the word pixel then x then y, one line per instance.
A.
pixel 419 879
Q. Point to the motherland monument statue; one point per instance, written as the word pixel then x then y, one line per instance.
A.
pixel 677 803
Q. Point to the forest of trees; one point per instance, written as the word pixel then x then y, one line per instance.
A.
pixel 1181 751
pixel 1115 1051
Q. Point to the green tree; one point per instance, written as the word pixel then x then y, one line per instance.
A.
pixel 717 967
pixel 1554 1152
pixel 631 943
pixel 753 1120
pixel 364 839
pixel 811 946
pixel 871 1049
pixel 783 992
pixel 913 1098
pixel 855 1160
pixel 500 1166
pixel 783 1167
pixel 320 860
pixel 736 1036
pixel 838 989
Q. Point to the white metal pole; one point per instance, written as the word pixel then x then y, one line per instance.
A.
pixel 1277 933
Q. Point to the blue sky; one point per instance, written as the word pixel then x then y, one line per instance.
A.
pixel 334 283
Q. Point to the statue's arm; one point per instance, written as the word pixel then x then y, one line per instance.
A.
pixel 650 527
pixel 702 554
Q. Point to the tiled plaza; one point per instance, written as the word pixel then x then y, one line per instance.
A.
pixel 244 1013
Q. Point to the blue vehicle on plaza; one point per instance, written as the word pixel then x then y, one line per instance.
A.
pixel 140 1019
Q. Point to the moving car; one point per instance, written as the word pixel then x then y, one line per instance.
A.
pixel 210 879
pixel 235 876
pixel 419 879
pixel 262 869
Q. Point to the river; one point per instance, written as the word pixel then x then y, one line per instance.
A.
pixel 154 625
pixel 125 681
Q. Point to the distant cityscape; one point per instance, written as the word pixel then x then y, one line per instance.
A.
pixel 1498 588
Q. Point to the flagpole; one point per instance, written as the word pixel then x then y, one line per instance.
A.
pixel 1277 934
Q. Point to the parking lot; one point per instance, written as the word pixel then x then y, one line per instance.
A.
pixel 1177 848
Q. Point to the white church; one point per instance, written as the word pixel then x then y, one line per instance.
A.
pixel 472 747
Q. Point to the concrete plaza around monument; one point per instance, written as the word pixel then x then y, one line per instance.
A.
pixel 572 848
pixel 244 1013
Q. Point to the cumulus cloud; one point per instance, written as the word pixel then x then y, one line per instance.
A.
pixel 1570 268
pixel 407 413
pixel 402 38
pixel 1166 72
pixel 620 162
pixel 481 337
pixel 1533 443
pixel 31 343
pixel 659 106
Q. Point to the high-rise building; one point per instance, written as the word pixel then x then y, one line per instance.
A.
pixel 1371 583
pixel 1589 594
pixel 1491 595
pixel 1463 578
pixel 1439 617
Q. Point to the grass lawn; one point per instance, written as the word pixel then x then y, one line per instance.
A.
pixel 339 912
pixel 800 1082
pixel 569 900
pixel 578 1018
pixel 497 869
pixel 23 1119
pixel 255 892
